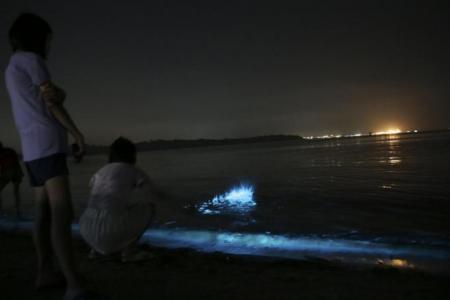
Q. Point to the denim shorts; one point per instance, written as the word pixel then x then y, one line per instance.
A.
pixel 42 169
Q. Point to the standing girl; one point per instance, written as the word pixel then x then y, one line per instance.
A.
pixel 43 123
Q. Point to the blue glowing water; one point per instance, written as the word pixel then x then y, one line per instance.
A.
pixel 390 192
pixel 238 200
pixel 362 252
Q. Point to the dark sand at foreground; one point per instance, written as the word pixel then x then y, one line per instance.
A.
pixel 186 274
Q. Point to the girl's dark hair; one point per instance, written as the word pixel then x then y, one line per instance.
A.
pixel 29 32
pixel 122 150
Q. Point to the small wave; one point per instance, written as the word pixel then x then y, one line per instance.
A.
pixel 396 255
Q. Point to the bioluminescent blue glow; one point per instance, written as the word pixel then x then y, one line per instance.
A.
pixel 303 247
pixel 289 246
pixel 239 200
pixel 296 247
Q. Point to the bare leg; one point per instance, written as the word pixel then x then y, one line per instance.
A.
pixel 61 235
pixel 2 186
pixel 17 197
pixel 42 240
pixel 132 252
pixel 131 249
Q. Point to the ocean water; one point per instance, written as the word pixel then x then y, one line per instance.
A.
pixel 392 192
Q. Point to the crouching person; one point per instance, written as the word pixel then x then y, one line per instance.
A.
pixel 121 205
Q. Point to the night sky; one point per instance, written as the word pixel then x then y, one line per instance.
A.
pixel 217 69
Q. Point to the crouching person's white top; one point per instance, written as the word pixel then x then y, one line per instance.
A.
pixel 119 209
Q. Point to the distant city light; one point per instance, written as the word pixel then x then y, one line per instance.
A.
pixel 355 135
pixel 391 131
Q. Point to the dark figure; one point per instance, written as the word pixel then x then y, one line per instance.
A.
pixel 121 205
pixel 44 124
pixel 10 171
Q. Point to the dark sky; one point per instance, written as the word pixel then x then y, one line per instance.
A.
pixel 192 69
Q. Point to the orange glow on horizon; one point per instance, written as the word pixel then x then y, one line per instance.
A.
pixel 388 131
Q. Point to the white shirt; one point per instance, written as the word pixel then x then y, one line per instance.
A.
pixel 41 134
pixel 117 186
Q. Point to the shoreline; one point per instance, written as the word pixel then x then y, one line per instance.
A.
pixel 353 253
pixel 187 274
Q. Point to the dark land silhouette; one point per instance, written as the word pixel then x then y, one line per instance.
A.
pixel 180 143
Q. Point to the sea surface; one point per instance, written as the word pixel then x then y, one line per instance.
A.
pixel 388 191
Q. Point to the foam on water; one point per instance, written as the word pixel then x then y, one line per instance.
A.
pixel 238 200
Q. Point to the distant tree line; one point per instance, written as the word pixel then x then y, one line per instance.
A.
pixel 179 143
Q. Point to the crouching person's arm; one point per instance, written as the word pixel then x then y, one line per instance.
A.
pixel 146 193
pixel 140 199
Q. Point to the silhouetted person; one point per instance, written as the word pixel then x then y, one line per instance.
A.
pixel 10 171
pixel 121 204
pixel 43 124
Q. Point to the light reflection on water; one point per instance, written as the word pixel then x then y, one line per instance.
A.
pixel 393 154
pixel 397 263
pixel 386 186
pixel 393 160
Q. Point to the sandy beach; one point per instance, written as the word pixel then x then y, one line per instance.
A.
pixel 186 274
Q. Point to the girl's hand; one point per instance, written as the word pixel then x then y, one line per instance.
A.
pixel 79 140
pixel 60 94
pixel 52 95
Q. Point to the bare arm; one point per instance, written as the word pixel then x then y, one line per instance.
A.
pixel 52 93
pixel 159 192
pixel 54 98
pixel 144 181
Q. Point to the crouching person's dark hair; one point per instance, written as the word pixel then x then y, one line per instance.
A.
pixel 122 150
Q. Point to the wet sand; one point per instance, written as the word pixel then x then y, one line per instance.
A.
pixel 186 274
